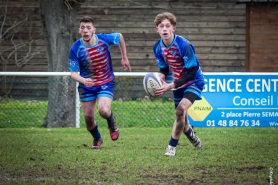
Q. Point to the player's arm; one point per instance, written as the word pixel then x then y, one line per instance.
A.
pixel 125 61
pixel 73 67
pixel 77 77
pixel 163 72
pixel 164 88
pixel 190 62
pixel 163 67
pixel 88 82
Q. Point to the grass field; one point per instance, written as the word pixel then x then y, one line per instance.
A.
pixel 155 113
pixel 63 156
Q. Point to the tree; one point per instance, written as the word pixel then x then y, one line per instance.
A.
pixel 59 19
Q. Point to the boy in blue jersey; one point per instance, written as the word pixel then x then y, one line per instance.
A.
pixel 90 56
pixel 180 71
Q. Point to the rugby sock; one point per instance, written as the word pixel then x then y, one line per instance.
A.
pixel 110 119
pixel 95 133
pixel 173 142
pixel 188 133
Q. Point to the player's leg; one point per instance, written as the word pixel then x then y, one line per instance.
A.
pixel 188 129
pixel 186 123
pixel 88 101
pixel 178 125
pixel 191 94
pixel 91 125
pixel 105 98
pixel 191 135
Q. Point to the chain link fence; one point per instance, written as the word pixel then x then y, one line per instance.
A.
pixel 24 103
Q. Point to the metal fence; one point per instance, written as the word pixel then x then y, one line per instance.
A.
pixel 24 101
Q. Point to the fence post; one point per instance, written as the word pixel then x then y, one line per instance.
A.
pixel 77 108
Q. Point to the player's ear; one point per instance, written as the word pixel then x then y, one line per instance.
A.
pixel 156 29
pixel 79 30
pixel 174 28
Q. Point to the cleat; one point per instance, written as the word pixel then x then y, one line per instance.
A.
pixel 195 141
pixel 97 143
pixel 114 131
pixel 170 151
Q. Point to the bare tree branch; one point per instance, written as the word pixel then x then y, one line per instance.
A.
pixel 4 20
pixel 69 3
pixel 14 25
pixel 14 47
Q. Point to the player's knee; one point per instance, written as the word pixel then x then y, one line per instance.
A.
pixel 104 112
pixel 179 112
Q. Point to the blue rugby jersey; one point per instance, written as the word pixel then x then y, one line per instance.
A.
pixel 179 56
pixel 94 61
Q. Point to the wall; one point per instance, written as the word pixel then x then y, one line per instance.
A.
pixel 216 28
pixel 262 55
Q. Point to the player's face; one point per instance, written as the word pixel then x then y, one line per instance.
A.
pixel 166 31
pixel 87 31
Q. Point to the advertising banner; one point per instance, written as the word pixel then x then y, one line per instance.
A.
pixel 237 100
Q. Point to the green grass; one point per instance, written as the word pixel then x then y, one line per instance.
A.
pixel 154 113
pixel 15 113
pixel 63 156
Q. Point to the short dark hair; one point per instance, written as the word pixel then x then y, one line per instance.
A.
pixel 87 19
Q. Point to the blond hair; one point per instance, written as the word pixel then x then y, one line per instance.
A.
pixel 165 15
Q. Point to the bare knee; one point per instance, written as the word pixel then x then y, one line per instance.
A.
pixel 179 122
pixel 104 112
pixel 179 113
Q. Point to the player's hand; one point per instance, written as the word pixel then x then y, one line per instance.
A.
pixel 126 64
pixel 164 88
pixel 88 82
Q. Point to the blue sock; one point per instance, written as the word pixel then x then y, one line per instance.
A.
pixel 188 133
pixel 95 133
pixel 173 142
pixel 110 120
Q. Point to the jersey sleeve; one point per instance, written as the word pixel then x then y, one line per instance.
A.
pixel 111 38
pixel 73 61
pixel 188 54
pixel 159 58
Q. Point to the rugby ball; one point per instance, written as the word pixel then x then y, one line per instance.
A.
pixel 151 81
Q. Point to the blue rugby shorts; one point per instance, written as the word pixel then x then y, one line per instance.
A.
pixel 89 94
pixel 193 88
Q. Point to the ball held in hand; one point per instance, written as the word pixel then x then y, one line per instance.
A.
pixel 151 81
